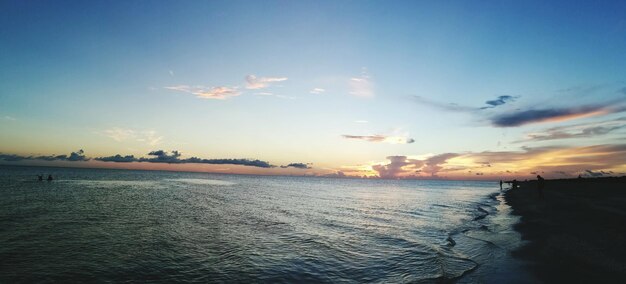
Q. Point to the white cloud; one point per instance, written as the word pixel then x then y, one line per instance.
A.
pixel 317 91
pixel 119 134
pixel 379 138
pixel 274 95
pixel 254 82
pixel 152 138
pixel 218 93
pixel 361 121
pixel 10 118
pixel 149 137
pixel 362 86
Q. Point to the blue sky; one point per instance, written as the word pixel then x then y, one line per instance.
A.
pixel 341 85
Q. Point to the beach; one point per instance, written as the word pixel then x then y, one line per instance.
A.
pixel 575 230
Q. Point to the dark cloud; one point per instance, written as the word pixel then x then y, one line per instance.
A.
pixel 499 101
pixel 51 158
pixel 297 166
pixel 13 157
pixel 241 162
pixel 551 114
pixel 118 159
pixel 590 173
pixel 160 156
pixel 78 156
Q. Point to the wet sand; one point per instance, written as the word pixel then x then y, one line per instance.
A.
pixel 576 231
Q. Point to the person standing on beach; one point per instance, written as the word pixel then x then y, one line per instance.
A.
pixel 540 184
pixel 500 184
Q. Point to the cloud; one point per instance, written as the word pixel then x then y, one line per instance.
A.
pixel 218 93
pixel 242 162
pixel 593 129
pixel 160 156
pixel 338 174
pixel 499 101
pixel 254 82
pixel 550 115
pixel 443 106
pixel 78 156
pixel 149 137
pixel 361 121
pixel 119 134
pixel 13 157
pixel 434 164
pixel 554 161
pixel 9 118
pixel 397 166
pixel 317 91
pixel 555 158
pixel 274 95
pixel 73 157
pixel 529 116
pixel 361 86
pixel 118 159
pixel 297 166
pixel 590 173
pixel 381 138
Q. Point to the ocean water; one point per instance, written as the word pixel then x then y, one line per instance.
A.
pixel 120 225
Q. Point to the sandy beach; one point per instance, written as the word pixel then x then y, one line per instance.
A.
pixel 576 230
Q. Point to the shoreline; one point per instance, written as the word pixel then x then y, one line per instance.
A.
pixel 575 232
pixel 490 241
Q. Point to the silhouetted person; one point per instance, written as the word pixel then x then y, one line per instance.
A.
pixel 540 185
pixel 514 184
pixel 50 178
pixel 500 184
pixel 40 177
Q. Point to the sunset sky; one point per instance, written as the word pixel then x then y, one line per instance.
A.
pixel 391 89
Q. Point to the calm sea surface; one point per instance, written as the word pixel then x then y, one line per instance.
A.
pixel 119 225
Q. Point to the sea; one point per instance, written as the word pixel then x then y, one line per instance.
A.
pixel 106 225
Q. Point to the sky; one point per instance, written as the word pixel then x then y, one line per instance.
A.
pixel 385 89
